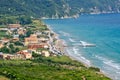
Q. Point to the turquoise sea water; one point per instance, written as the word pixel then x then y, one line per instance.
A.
pixel 102 30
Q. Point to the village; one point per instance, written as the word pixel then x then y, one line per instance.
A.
pixel 18 42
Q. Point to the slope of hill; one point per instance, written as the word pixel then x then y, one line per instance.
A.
pixel 52 68
pixel 39 8
pixel 57 8
pixel 95 6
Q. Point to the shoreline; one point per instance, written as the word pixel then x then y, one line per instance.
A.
pixel 78 15
pixel 61 43
pixel 66 53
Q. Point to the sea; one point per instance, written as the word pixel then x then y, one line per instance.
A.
pixel 102 30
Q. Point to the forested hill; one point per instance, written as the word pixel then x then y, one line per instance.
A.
pixel 57 8
pixel 95 6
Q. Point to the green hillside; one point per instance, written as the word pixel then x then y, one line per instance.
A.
pixel 52 68
pixel 38 8
pixel 95 5
pixel 56 8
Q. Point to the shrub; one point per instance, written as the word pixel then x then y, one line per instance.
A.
pixel 95 69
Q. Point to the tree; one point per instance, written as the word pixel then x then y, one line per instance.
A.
pixel 13 49
pixel 25 20
pixel 18 43
pixel 5 49
pixel 29 32
pixel 11 46
pixel 17 49
pixel 21 36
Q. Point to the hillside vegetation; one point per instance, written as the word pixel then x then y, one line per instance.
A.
pixel 52 68
pixel 95 5
pixel 57 8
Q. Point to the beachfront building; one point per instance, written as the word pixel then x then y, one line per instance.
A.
pixel 43 40
pixel 31 40
pixel 37 46
pixel 15 57
pixel 45 53
pixel 8 56
pixel 25 53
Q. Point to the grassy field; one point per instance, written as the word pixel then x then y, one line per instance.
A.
pixel 37 25
pixel 52 68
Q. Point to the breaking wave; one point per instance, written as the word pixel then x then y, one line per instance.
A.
pixel 108 62
pixel 72 40
pixel 76 54
pixel 64 33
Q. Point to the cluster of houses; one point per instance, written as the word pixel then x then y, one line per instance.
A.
pixel 33 43
pixel 24 54
pixel 15 30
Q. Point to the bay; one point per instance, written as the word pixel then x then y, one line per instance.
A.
pixel 103 30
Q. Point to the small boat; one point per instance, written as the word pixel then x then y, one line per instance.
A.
pixel 85 44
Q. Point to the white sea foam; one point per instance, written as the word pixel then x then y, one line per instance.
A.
pixel 49 26
pixel 118 72
pixel 64 33
pixel 72 40
pixel 75 50
pixel 78 56
pixel 109 70
pixel 110 63
pixel 110 67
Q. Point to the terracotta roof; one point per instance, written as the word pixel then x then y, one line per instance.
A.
pixel 5 39
pixel 24 53
pixel 32 39
pixel 33 36
pixel 36 46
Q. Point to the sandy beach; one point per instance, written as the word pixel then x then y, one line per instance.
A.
pixel 61 46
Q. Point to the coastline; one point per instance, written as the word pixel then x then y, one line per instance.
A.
pixel 61 46
pixel 98 56
pixel 63 17
pixel 77 15
pixel 61 43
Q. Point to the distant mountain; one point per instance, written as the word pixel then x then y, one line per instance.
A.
pixel 57 8
pixel 95 6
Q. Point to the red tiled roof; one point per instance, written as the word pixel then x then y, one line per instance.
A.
pixel 36 46
pixel 32 38
pixel 24 53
